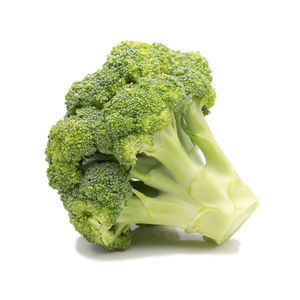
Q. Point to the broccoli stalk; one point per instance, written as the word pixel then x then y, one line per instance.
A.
pixel 200 198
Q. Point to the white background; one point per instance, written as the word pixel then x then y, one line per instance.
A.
pixel 253 49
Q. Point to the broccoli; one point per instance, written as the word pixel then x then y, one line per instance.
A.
pixel 128 150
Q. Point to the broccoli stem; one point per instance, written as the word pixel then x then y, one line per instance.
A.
pixel 177 147
pixel 211 207
pixel 209 199
pixel 165 209
pixel 158 177
pixel 191 149
pixel 168 150
pixel 198 130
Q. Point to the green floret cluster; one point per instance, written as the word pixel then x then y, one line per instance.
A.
pixel 95 204
pixel 129 150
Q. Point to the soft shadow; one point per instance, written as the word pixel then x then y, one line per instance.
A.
pixel 157 241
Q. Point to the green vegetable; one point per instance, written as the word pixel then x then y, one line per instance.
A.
pixel 128 150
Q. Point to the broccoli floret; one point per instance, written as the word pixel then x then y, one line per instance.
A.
pixel 95 204
pixel 129 150
pixel 70 140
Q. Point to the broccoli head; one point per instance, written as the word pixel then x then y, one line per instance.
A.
pixel 129 150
